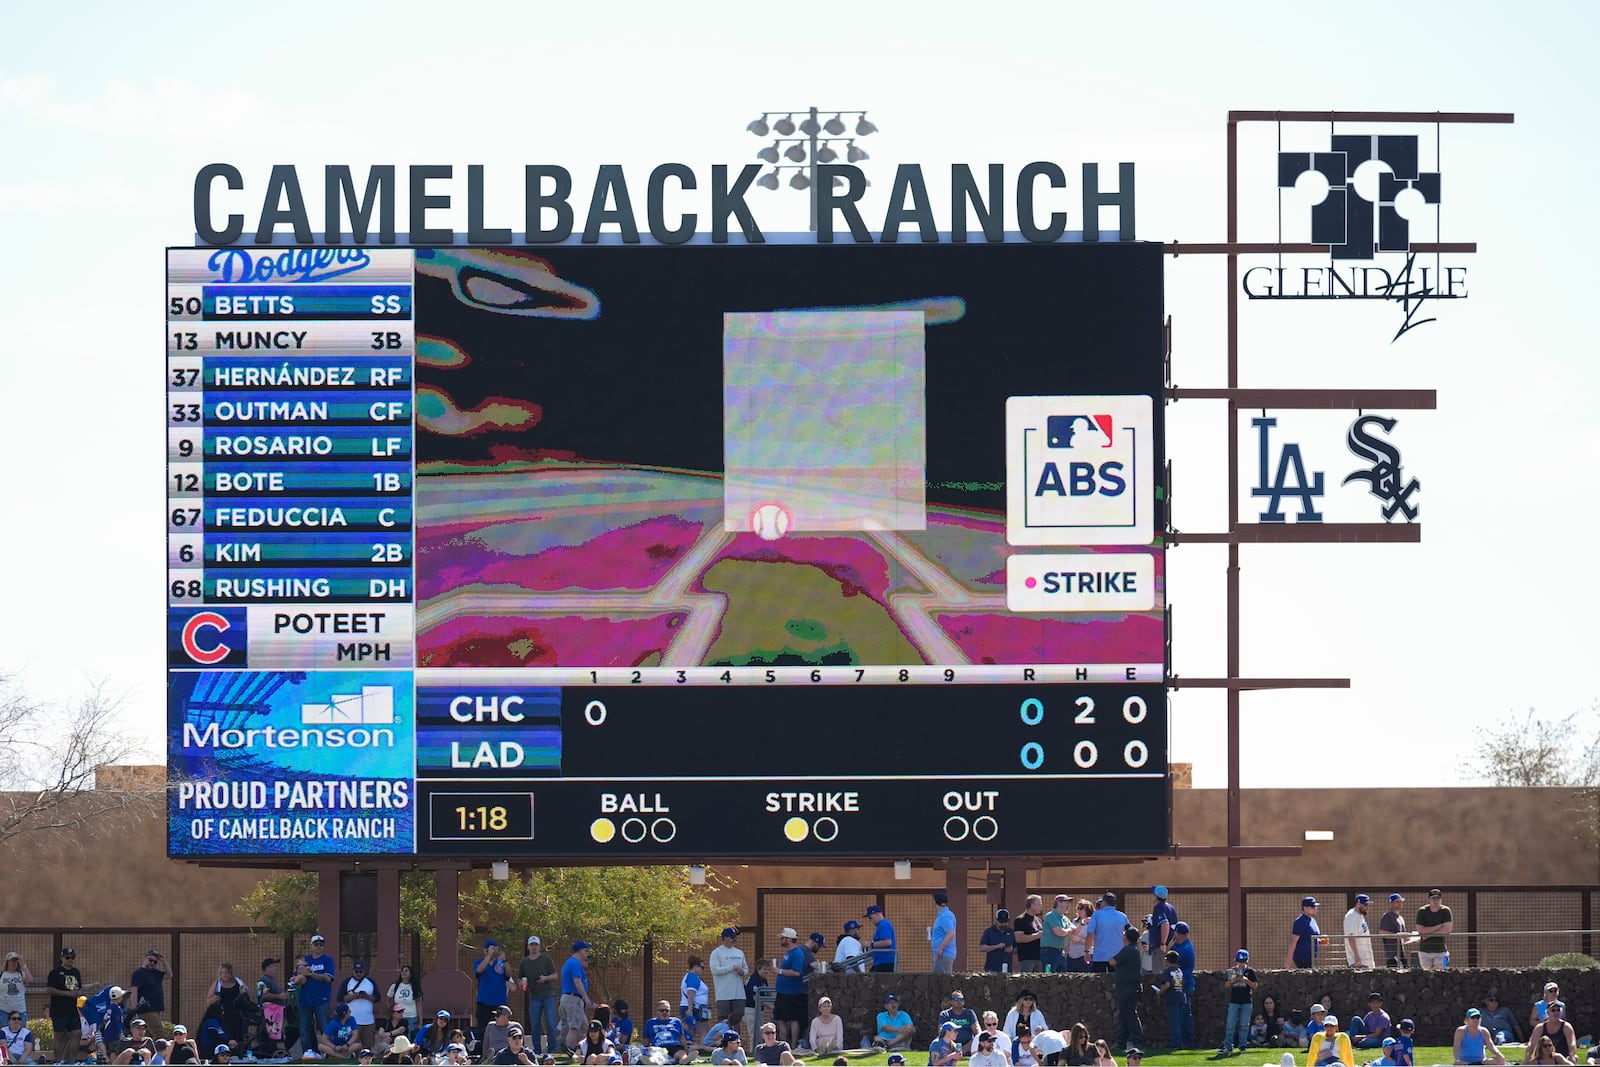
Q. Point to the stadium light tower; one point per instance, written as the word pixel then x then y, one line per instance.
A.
pixel 816 145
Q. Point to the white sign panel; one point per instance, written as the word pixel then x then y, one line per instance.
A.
pixel 1080 470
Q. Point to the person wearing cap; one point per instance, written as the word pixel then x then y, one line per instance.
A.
pixel 14 981
pixel 361 994
pixel 1433 925
pixel 1185 950
pixel 338 1039
pixel 1303 937
pixel 964 1018
pixel 896 1059
pixel 1329 1047
pixel 313 986
pixel 492 1038
pixel 1393 926
pixel 63 984
pixel 1025 1012
pixel 139 1042
pixel 575 1000
pixel 1472 1044
pixel 1105 931
pixel 269 990
pixel 827 1030
pixel 999 944
pixel 515 1049
pixel 987 1051
pixel 148 982
pixel 494 981
pixel 729 1049
pixel 849 948
pixel 1499 1019
pixel 1241 985
pixel 1551 994
pixel 541 986
pixel 895 1028
pixel 1375 1024
pixel 1386 1059
pixel 1135 1057
pixel 456 1053
pixel 184 1049
pixel 943 1050
pixel 1162 917
pixel 1556 1028
pixel 435 1037
pixel 789 1011
pixel 774 1053
pixel 1357 937
pixel 882 943
pixel 222 1054
pixel 390 1028
pixel 942 934
pixel 729 969
pixel 811 946
pixel 1057 924
pixel 1175 998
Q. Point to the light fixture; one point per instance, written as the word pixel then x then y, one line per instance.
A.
pixel 799 181
pixel 834 125
pixel 501 870
pixel 826 154
pixel 1319 835
pixel 759 126
pixel 697 874
pixel 768 180
pixel 796 152
pixel 854 154
pixel 810 126
pixel 902 870
pixel 769 153
pixel 785 125
pixel 863 127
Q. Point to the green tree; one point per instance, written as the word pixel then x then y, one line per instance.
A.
pixel 1532 751
pixel 621 911
pixel 286 905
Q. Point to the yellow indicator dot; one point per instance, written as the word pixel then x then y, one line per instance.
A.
pixel 603 830
pixel 795 829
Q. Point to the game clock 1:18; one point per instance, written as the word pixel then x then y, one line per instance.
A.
pixel 480 817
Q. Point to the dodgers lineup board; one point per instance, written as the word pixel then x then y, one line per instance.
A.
pixel 649 553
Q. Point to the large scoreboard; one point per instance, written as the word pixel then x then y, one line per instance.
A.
pixel 649 553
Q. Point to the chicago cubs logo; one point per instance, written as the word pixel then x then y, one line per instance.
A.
pixel 210 637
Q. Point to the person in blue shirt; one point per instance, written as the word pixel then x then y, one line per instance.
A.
pixel 789 1011
pixel 1385 1060
pixel 433 1038
pixel 1405 1049
pixel 338 1040
pixel 999 943
pixel 313 983
pixel 1185 950
pixel 882 944
pixel 942 935
pixel 1163 917
pixel 944 1052
pixel 1303 938
pixel 1177 1000
pixel 575 999
pixel 493 979
pixel 1106 926
pixel 666 1031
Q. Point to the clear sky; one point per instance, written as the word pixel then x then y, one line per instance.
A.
pixel 107 111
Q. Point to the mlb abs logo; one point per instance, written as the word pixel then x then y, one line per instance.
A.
pixel 1080 470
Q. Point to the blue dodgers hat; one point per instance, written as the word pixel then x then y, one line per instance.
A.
pixel 1180 928
pixel 1242 956
pixel 1388 1041
pixel 851 925
pixel 873 909
pixel 579 946
pixel 1362 898
pixel 729 931
pixel 1309 902
pixel 1159 891
pixel 818 938
pixel 491 943
pixel 1394 897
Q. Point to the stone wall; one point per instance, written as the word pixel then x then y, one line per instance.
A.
pixel 1436 1000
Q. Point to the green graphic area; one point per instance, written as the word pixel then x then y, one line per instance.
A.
pixel 798 615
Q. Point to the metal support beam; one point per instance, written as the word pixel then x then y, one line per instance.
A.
pixel 1255 684
pixel 1317 399
pixel 1303 533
